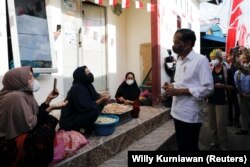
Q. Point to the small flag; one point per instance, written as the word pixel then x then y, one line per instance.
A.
pixel 125 3
pixel 86 31
pixel 174 12
pixel 183 15
pixel 138 4
pixel 95 35
pixel 112 2
pixel 150 7
pixel 100 2
pixel 191 18
pixel 103 39
pixel 112 42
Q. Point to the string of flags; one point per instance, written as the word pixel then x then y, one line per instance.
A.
pixel 139 4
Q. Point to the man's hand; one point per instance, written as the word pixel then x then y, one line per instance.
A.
pixel 171 91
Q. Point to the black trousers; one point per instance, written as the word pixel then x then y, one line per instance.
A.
pixel 187 135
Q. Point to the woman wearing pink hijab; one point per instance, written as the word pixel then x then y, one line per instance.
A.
pixel 26 130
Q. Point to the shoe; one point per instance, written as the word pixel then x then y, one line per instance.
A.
pixel 242 132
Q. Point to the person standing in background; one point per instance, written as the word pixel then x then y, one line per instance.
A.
pixel 242 82
pixel 233 103
pixel 218 103
pixel 192 83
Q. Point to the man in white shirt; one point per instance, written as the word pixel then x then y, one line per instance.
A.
pixel 193 82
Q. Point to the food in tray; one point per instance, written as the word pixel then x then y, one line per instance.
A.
pixel 104 120
pixel 115 108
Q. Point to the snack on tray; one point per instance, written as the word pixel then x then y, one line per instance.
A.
pixel 115 108
pixel 104 120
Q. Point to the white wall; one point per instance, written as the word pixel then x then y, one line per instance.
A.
pixel 138 32
pixel 168 25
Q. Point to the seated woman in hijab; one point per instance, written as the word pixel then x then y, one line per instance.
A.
pixel 128 93
pixel 27 131
pixel 84 103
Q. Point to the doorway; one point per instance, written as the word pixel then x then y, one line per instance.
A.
pixel 93 43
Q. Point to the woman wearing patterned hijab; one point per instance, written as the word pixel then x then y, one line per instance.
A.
pixel 84 103
pixel 24 126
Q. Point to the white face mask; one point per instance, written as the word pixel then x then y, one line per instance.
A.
pixel 215 62
pixel 129 81
pixel 245 65
pixel 35 86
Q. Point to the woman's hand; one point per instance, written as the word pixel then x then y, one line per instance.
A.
pixel 121 99
pixel 219 85
pixel 59 105
pixel 128 102
pixel 103 99
pixel 52 95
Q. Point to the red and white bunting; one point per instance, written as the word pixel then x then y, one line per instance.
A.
pixel 112 2
pixel 125 3
pixel 138 4
pixel 150 7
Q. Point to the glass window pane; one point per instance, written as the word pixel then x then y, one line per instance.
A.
pixel 33 35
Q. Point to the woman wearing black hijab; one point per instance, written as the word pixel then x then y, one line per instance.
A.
pixel 84 103
pixel 128 93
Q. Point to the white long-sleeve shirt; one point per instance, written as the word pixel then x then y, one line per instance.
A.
pixel 193 72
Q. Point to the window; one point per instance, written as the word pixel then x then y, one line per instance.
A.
pixel 30 37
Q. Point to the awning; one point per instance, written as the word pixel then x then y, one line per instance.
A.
pixel 214 38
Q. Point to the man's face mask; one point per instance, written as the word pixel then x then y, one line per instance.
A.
pixel 180 48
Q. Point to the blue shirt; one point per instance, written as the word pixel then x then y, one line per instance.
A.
pixel 242 83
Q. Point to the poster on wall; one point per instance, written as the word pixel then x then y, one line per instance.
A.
pixel 70 5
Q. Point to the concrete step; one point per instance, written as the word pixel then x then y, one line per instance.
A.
pixel 100 149
pixel 162 138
